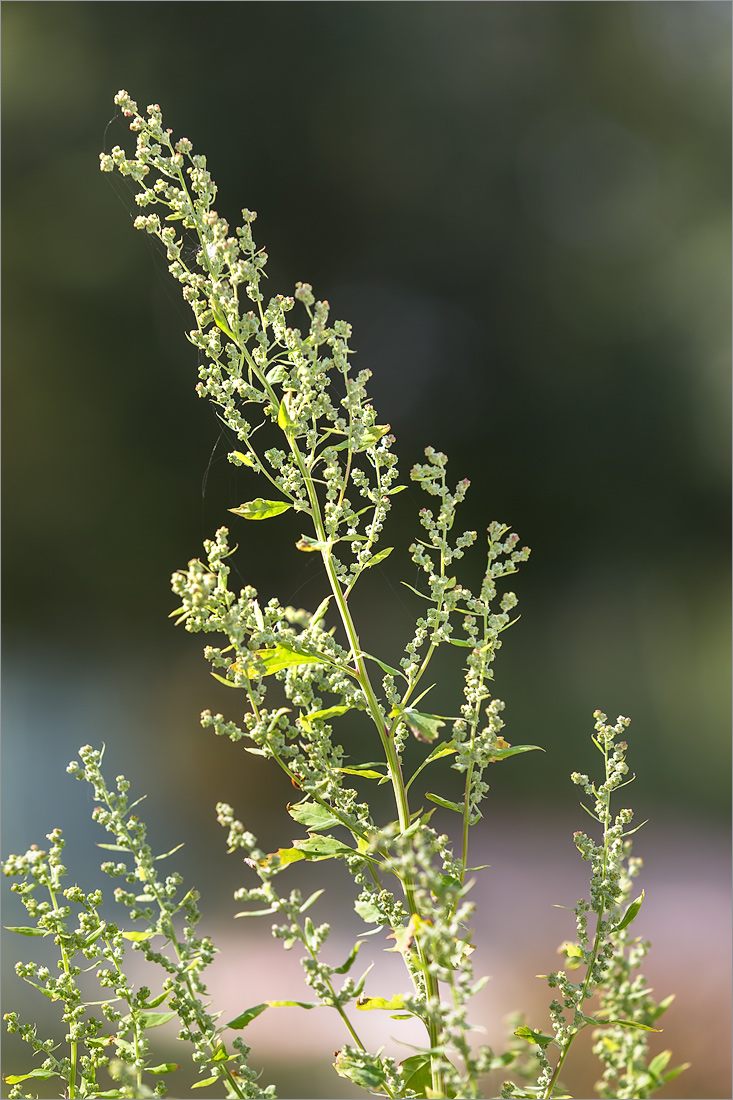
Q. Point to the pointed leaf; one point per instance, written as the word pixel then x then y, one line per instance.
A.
pixel 456 806
pixel 205 1082
pixel 379 557
pixel 221 319
pixel 164 1067
pixel 247 1016
pixel 261 509
pixel 630 913
pixel 350 961
pixel 629 1023
pixel 165 856
pixel 241 458
pixel 330 712
pixel 512 750
pixel 365 773
pixel 155 1019
pixel 284 420
pixel 22 931
pixel 43 1074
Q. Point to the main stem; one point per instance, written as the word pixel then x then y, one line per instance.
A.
pixel 388 745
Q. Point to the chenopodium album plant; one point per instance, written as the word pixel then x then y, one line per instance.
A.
pixel 332 463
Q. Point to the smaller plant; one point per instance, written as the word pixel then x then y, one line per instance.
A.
pixel 624 1009
pixel 119 1041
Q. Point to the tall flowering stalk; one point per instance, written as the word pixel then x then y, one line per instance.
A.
pixel 306 430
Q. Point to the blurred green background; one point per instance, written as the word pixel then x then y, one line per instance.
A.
pixel 524 210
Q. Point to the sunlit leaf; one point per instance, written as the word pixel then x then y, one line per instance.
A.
pixel 261 509
pixel 241 458
pixel 312 814
pixel 366 1004
pixel 379 557
pixel 321 847
pixel 425 727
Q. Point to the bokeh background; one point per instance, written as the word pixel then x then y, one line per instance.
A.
pixel 524 210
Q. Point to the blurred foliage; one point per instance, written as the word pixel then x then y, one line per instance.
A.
pixel 524 211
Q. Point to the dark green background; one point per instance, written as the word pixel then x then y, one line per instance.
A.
pixel 523 208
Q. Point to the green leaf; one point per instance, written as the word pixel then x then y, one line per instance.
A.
pixel 322 847
pixel 672 1073
pixel 371 436
pixel 502 754
pixel 371 1076
pixel 417 593
pixel 350 961
pixel 366 1004
pixel 96 934
pixel 659 1064
pixel 425 727
pixel 309 545
pixel 138 937
pixel 156 1000
pixel 241 459
pixel 22 931
pixel 364 772
pixel 247 1017
pixel 417 1073
pixel 282 656
pixel 458 807
pixel 220 318
pixel 276 374
pixel 368 911
pixel 293 1004
pixel 379 557
pixel 312 815
pixel 384 667
pixel 458 641
pixel 207 1081
pixel 172 852
pixel 164 1067
pixel 284 420
pixel 532 1036
pixel 261 509
pixel 43 1074
pixel 155 1019
pixel 287 856
pixel 329 712
pixel 630 913
pixel 113 847
pixel 628 1023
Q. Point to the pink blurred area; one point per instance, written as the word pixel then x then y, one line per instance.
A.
pixel 534 868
